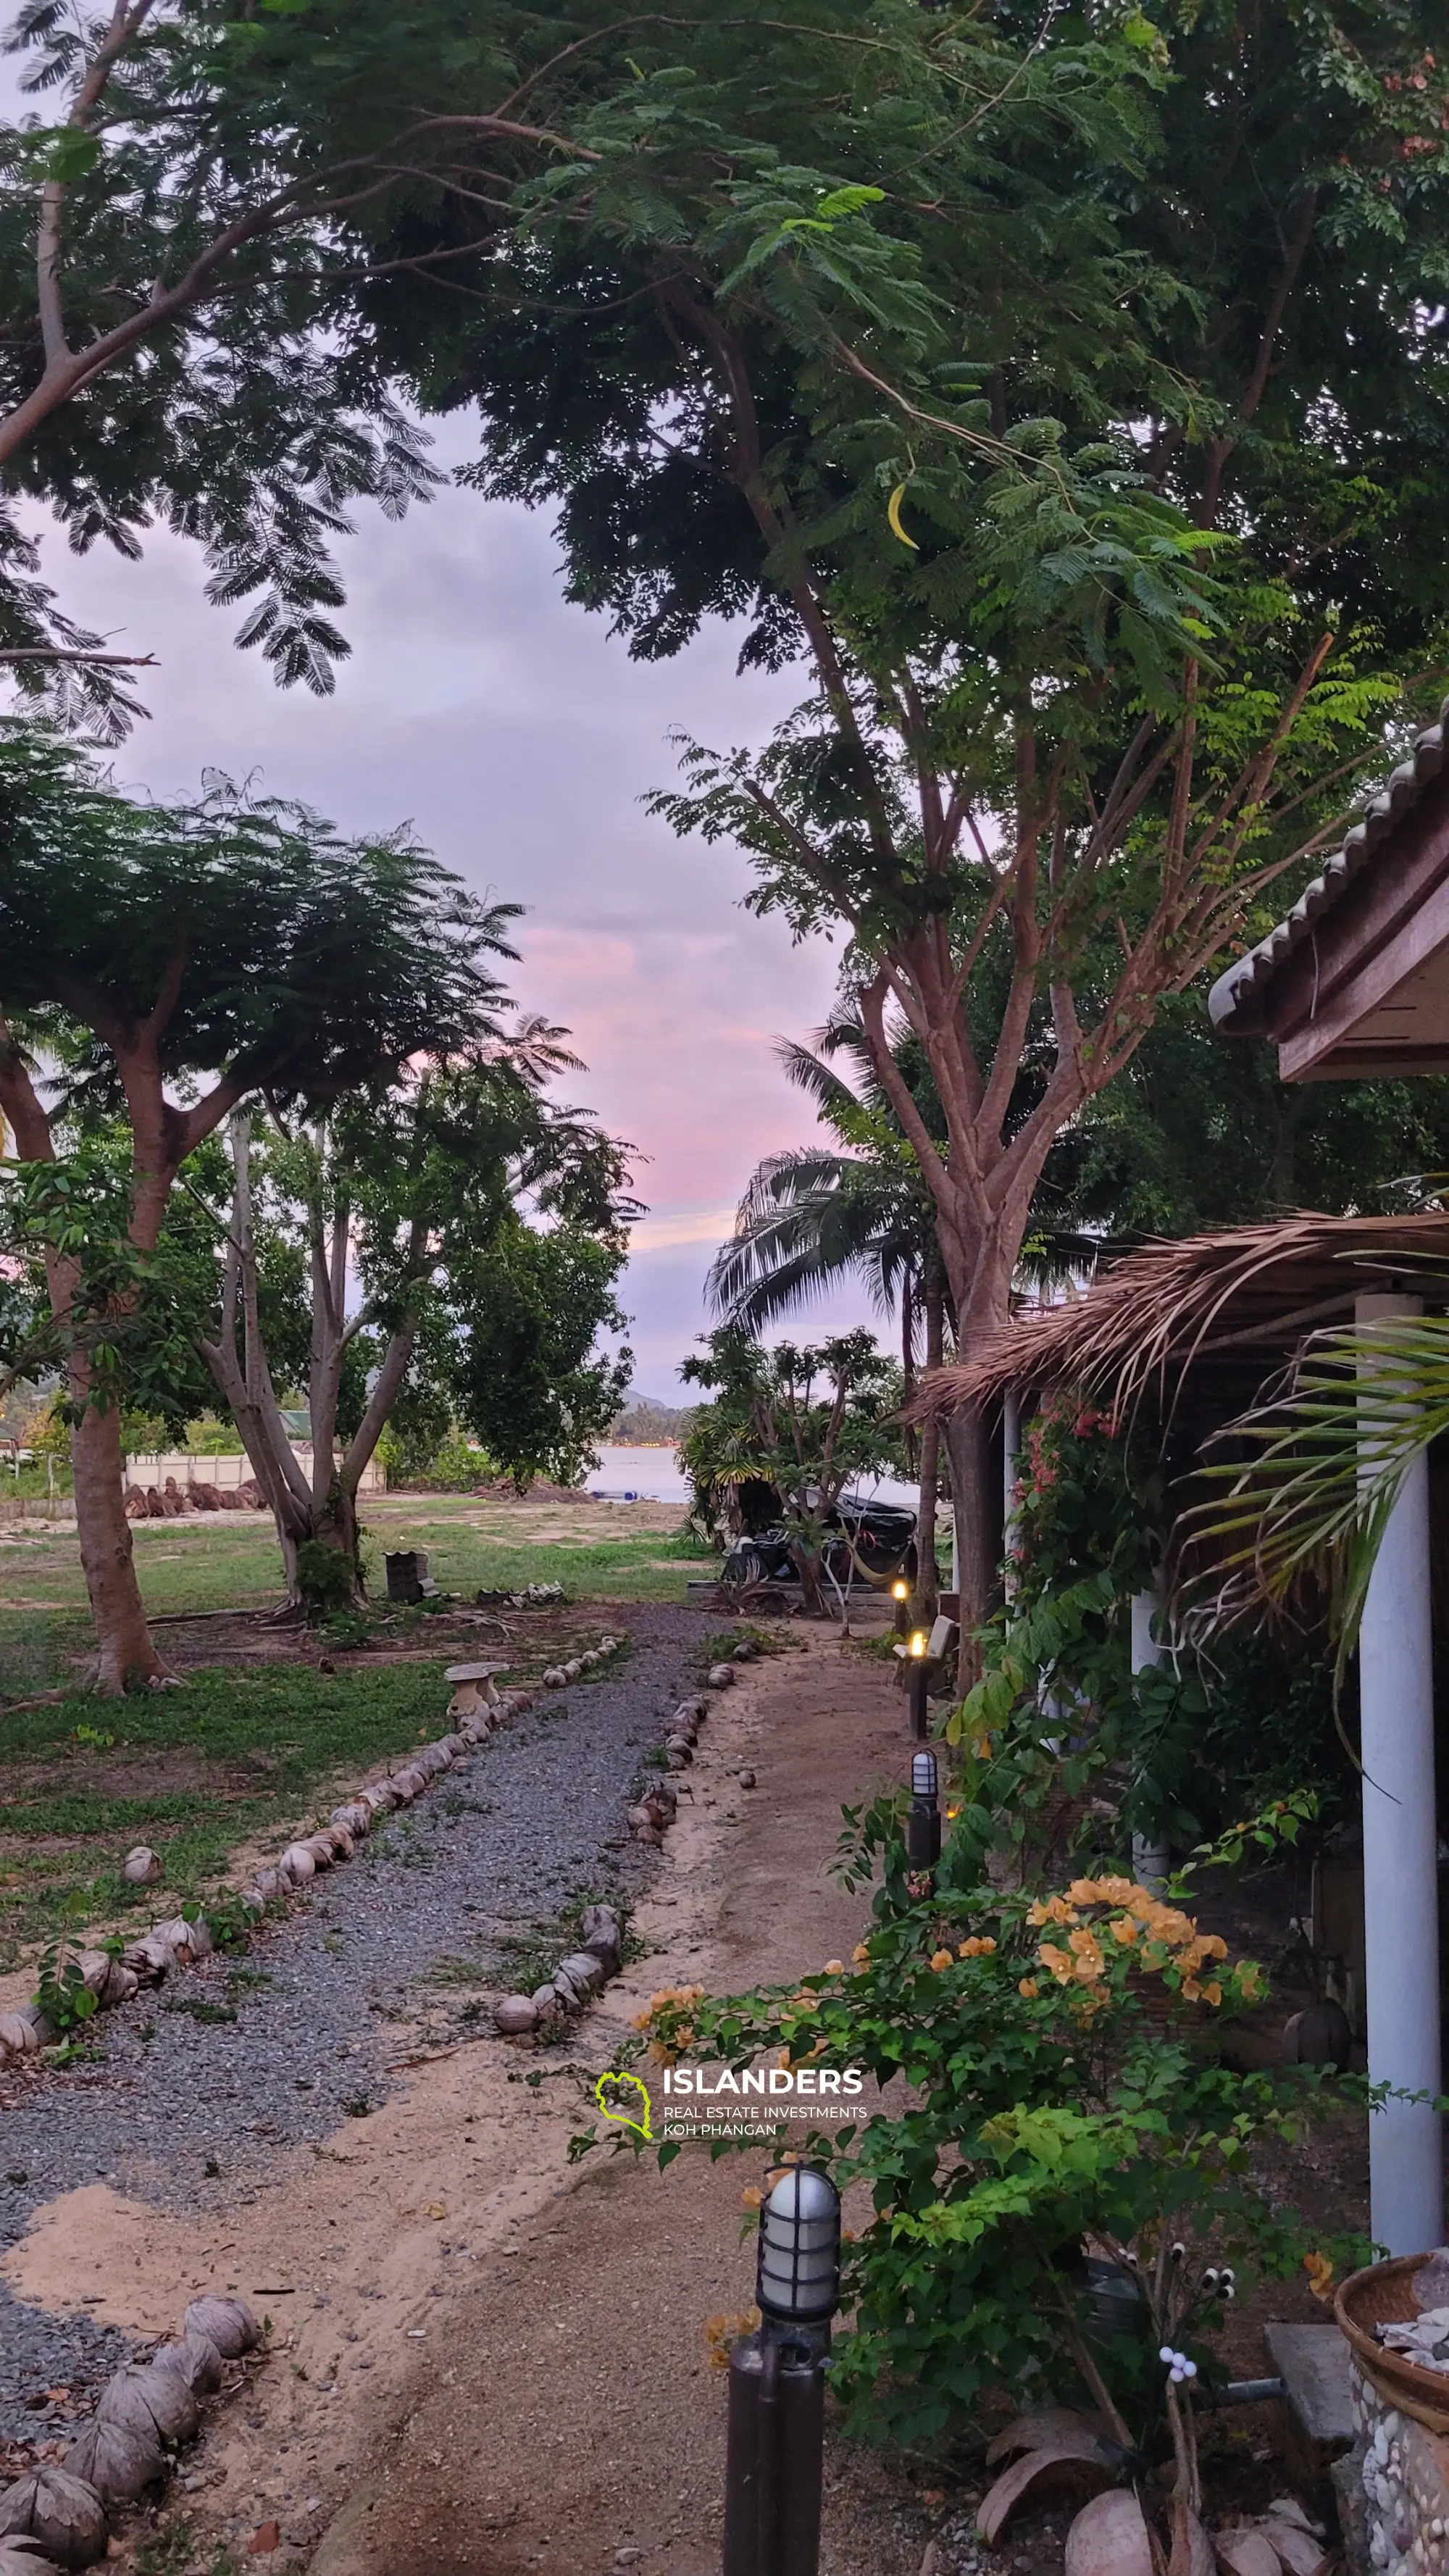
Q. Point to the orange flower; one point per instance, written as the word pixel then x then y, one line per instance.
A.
pixel 1213 1994
pixel 751 2197
pixel 1123 1929
pixel 860 1955
pixel 1028 1986
pixel 942 1959
pixel 978 1947
pixel 1061 1963
pixel 835 1967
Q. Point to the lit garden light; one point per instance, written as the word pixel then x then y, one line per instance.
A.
pixel 923 1827
pixel 901 1595
pixel 917 1682
pixel 774 2459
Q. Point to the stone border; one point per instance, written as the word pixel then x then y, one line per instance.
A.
pixel 179 1943
pixel 144 2411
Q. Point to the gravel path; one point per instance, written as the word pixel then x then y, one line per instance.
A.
pixel 502 1841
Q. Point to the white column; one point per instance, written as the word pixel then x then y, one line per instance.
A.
pixel 1010 1471
pixel 1150 1861
pixel 1400 1855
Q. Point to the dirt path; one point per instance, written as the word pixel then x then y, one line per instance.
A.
pixel 487 2361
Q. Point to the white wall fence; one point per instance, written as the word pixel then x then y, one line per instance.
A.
pixel 225 1472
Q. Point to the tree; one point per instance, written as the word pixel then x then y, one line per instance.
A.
pixel 1075 464
pixel 176 962
pixel 484 1229
pixel 806 1420
pixel 186 226
pixel 811 1217
pixel 1195 1135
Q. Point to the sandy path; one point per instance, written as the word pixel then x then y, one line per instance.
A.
pixel 486 2360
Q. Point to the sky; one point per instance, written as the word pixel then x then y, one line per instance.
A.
pixel 517 737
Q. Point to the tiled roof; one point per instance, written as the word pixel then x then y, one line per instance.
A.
pixel 1233 991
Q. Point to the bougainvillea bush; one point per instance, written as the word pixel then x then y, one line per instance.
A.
pixel 1053 2099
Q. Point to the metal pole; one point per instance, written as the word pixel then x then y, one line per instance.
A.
pixel 1010 1471
pixel 920 1714
pixel 1150 1861
pixel 1400 1852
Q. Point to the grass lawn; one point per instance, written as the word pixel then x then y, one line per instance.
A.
pixel 598 1551
pixel 238 1756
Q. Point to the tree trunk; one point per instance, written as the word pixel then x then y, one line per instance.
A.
pixel 976 1487
pixel 126 1658
pixel 928 1579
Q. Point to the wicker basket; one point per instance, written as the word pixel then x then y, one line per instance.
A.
pixel 1383 2295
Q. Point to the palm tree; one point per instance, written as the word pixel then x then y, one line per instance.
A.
pixel 815 1216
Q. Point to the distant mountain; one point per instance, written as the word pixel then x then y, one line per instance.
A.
pixel 645 1423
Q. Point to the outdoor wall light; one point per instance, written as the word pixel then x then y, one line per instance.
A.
pixel 923 1825
pixel 918 1641
pixel 775 2445
pixel 797 2279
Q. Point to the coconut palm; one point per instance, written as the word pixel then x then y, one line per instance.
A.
pixel 816 1216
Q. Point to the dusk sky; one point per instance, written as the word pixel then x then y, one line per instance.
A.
pixel 518 739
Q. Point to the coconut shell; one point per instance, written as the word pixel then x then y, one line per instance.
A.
pixel 178 1936
pixel 25 2558
pixel 149 1959
pixel 115 2459
pixel 297 1865
pixel 18 2035
pixel 1109 2538
pixel 197 2359
pixel 60 2513
pixel 142 1867
pixel 320 1847
pixel 230 2324
pixel 269 1884
pixel 343 1845
pixel 151 2392
pixel 514 2013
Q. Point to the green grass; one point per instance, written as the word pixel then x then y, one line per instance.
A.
pixel 256 1750
pixel 202 1565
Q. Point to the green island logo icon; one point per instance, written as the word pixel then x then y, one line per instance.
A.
pixel 625 2099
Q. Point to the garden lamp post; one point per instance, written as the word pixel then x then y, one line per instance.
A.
pixel 773 2464
pixel 901 1595
pixel 923 1826
pixel 916 1682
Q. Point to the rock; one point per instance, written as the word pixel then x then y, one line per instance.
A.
pixel 267 2536
pixel 513 2014
pixel 142 1867
pixel 746 1779
pixel 719 1676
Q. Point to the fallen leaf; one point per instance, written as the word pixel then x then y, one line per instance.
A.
pixel 1109 2538
pixel 435 2209
pixel 1300 2552
pixel 265 2537
pixel 1248 2552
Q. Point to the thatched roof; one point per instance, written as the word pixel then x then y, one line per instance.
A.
pixel 1170 1307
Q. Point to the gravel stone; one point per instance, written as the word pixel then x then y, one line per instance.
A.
pixel 499 1840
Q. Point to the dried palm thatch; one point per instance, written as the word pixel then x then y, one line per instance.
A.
pixel 1170 1308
